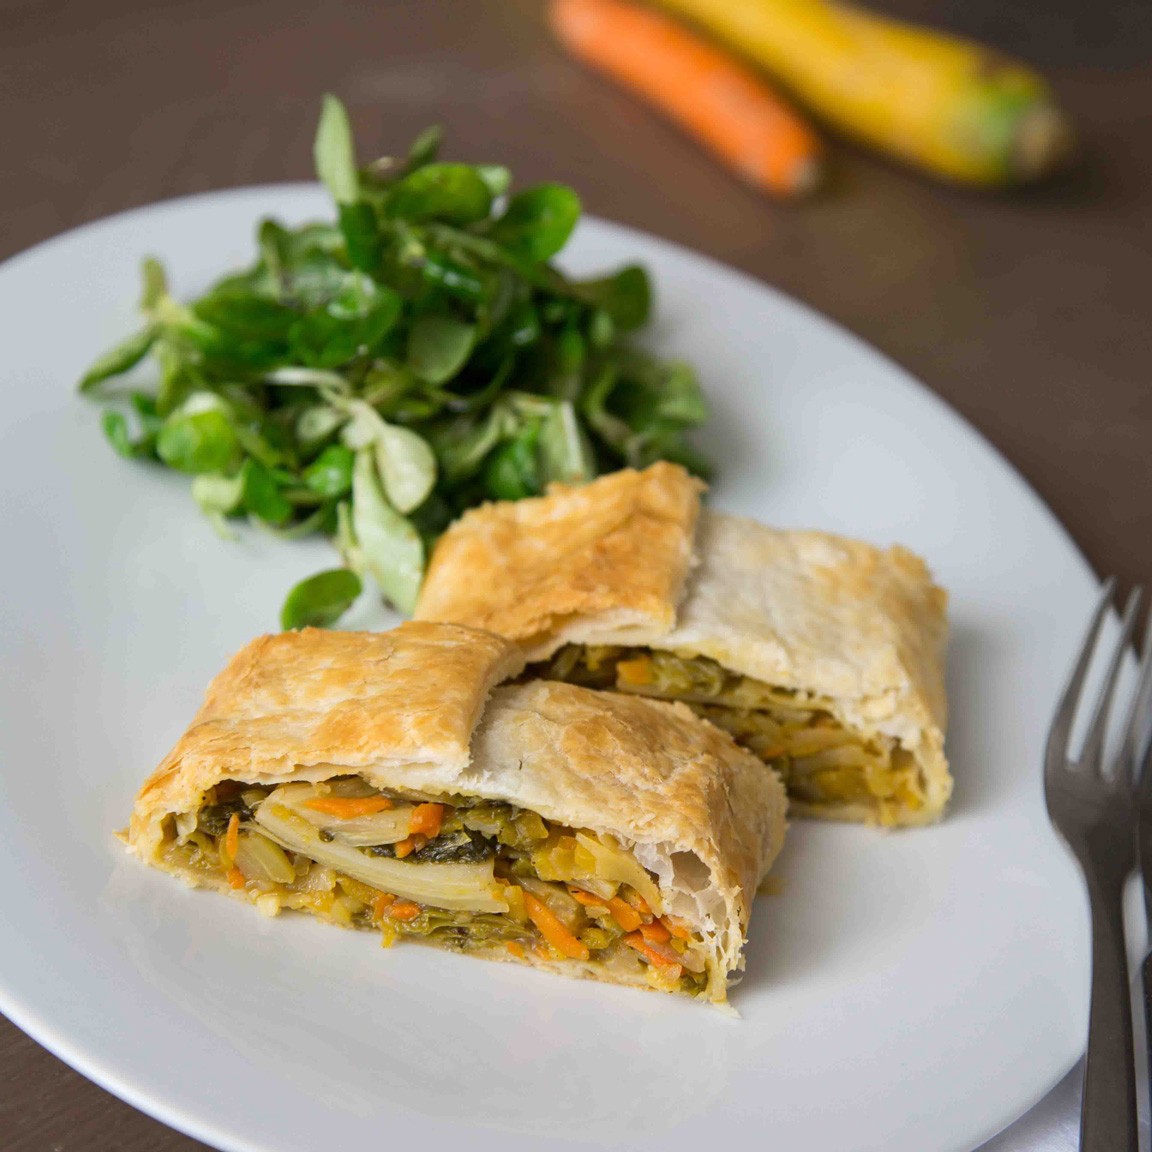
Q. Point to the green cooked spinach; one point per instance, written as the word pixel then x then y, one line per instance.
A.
pixel 372 377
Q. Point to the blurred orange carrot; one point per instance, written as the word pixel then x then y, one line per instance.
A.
pixel 725 106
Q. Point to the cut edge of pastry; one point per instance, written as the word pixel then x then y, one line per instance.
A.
pixel 704 868
pixel 861 625
pixel 938 787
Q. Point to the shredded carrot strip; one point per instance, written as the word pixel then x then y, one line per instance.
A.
pixel 409 845
pixel 655 933
pixel 624 914
pixel 587 898
pixel 426 819
pixel 654 954
pixel 380 905
pixel 235 877
pixel 349 807
pixel 232 836
pixel 516 948
pixel 403 910
pixel 552 930
pixel 676 928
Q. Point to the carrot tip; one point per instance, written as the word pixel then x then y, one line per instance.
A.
pixel 807 176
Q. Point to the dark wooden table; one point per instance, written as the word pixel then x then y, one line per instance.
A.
pixel 1029 313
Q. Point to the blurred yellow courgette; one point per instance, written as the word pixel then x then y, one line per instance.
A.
pixel 945 104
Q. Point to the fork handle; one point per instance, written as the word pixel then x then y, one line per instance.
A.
pixel 1108 1119
pixel 1146 970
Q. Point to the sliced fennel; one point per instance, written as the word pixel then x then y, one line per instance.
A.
pixel 460 887
pixel 385 827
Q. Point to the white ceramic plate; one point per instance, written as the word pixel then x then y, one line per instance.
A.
pixel 912 992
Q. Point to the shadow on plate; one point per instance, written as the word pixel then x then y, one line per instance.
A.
pixel 829 873
pixel 797 927
pixel 976 758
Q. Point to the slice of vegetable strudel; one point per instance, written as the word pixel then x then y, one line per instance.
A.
pixel 821 654
pixel 391 781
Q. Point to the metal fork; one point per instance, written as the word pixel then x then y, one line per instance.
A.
pixel 1090 803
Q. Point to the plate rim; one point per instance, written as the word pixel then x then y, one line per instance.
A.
pixel 54 1038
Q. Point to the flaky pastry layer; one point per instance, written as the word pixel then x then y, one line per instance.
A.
pixel 418 711
pixel 862 626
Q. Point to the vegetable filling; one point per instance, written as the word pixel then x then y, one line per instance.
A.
pixel 821 762
pixel 472 875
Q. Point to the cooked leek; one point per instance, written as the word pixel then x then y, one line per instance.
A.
pixel 609 863
pixel 821 761
pixel 261 860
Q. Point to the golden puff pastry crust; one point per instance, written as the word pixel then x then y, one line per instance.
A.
pixel 813 611
pixel 697 809
pixel 314 704
pixel 615 551
pixel 863 626
pixel 418 711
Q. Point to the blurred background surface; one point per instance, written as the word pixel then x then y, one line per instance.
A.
pixel 1027 311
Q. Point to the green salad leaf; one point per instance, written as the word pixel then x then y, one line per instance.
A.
pixel 452 193
pixel 537 222
pixel 321 600
pixel 199 436
pixel 385 543
pixel 330 474
pixel 625 297
pixel 335 153
pixel 371 376
pixel 123 358
pixel 439 346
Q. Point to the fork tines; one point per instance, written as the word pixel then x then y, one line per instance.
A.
pixel 1091 802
